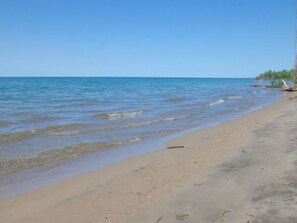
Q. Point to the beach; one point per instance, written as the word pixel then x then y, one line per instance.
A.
pixel 148 111
pixel 243 170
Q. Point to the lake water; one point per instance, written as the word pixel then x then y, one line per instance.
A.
pixel 44 120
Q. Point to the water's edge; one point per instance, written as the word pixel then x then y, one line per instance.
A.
pixel 28 180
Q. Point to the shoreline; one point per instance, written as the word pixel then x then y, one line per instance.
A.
pixel 146 182
pixel 62 126
pixel 16 184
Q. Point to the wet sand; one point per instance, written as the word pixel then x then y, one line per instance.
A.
pixel 244 170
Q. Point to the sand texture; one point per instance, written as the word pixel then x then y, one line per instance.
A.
pixel 244 170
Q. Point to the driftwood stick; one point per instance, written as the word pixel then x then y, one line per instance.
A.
pixel 288 88
pixel 175 147
pixel 159 219
pixel 285 84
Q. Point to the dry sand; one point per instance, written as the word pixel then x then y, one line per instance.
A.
pixel 243 170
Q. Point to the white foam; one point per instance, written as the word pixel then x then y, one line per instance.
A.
pixel 216 102
pixel 119 115
pixel 234 97
pixel 166 119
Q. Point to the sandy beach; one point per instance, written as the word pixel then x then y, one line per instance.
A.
pixel 243 170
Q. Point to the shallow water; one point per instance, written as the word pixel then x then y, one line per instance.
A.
pixel 44 120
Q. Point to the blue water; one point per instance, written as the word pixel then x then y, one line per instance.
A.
pixel 43 120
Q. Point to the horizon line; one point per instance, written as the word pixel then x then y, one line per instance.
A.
pixel 119 77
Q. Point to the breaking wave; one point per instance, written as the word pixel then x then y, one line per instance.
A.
pixel 234 97
pixel 216 102
pixel 118 115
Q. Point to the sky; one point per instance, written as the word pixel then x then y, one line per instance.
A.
pixel 146 38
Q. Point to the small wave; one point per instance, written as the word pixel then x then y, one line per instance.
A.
pixel 58 133
pixel 4 124
pixel 174 100
pixel 128 126
pixel 16 136
pixel 28 162
pixel 118 115
pixel 48 130
pixel 165 119
pixel 140 124
pixel 21 114
pixel 234 97
pixel 216 102
pixel 40 119
pixel 61 127
pixel 174 118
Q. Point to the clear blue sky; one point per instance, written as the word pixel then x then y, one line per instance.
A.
pixel 191 38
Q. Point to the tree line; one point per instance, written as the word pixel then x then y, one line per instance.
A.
pixel 274 75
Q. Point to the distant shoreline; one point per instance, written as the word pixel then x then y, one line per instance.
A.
pixel 177 77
